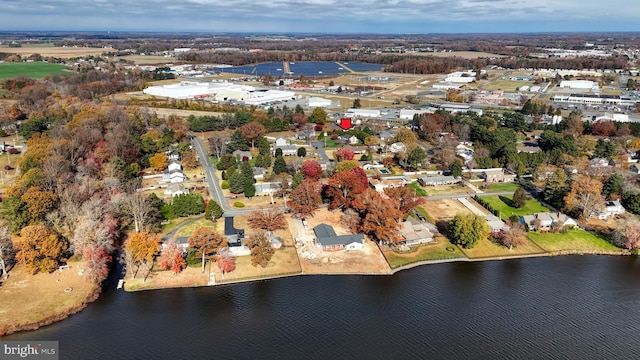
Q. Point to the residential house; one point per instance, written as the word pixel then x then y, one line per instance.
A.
pixel 415 233
pixel 388 182
pixel 547 220
pixel 612 208
pixel 348 139
pixel 259 173
pixel 308 134
pixel 327 240
pixel 497 175
pixel 242 155
pixel 174 176
pixel 437 180
pixel 385 135
pixel 266 188
pixel 181 242
pixel 174 165
pixel 234 236
pixel 397 147
pixel 175 189
pixel 496 225
pixel 284 145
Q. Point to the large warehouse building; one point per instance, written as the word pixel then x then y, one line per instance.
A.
pixel 219 91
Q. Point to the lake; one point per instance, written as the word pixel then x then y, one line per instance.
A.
pixel 573 307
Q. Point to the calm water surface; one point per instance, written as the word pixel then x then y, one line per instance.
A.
pixel 582 307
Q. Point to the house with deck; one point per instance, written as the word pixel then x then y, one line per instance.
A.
pixel 611 208
pixel 415 233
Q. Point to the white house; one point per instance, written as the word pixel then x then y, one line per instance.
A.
pixel 397 147
pixel 415 233
pixel 284 145
pixel 174 165
pixel 611 208
pixel 175 189
pixel 545 221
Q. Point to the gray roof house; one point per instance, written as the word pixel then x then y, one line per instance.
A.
pixel 327 239
pixel 415 233
pixel 234 236
pixel 547 220
pixel 437 180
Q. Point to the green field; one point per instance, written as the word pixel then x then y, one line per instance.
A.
pixel 501 203
pixel 36 70
pixel 486 248
pixel 571 240
pixel 500 187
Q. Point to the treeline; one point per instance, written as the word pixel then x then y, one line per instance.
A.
pixel 439 65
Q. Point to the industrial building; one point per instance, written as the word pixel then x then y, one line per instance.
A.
pixel 219 91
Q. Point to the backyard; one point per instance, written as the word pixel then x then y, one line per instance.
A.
pixel 503 187
pixel 441 250
pixel 503 205
pixel 575 239
pixel 486 248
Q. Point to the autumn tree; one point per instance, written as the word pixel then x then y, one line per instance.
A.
pixel 189 160
pixel 343 187
pixel 344 154
pixel 171 257
pixel 140 251
pixel 38 202
pixel 305 198
pixel 207 241
pixel 40 249
pixel 378 216
pixel 585 195
pixel 226 261
pixel 627 234
pixel 261 249
pixel 514 236
pixel 268 219
pixel 405 136
pixel 253 131
pixel 159 161
pixel 137 205
pixel 467 229
pixel 318 115
pixel 311 169
pixel 603 128
pixel 519 198
pixel 346 165
pixel 405 198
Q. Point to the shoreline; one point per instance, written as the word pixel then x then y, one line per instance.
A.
pixel 56 317
pixel 408 266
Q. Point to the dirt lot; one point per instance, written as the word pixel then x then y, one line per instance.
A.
pixel 445 210
pixel 368 261
pixel 29 298
pixel 61 52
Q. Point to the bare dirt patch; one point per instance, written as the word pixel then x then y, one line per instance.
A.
pixel 27 299
pixel 445 210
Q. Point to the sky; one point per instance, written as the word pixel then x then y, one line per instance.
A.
pixel 322 16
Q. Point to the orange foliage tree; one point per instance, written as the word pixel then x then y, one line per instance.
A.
pixel 378 216
pixel 159 161
pixel 140 251
pixel 40 249
pixel 207 241
pixel 305 198
pixel 171 257
pixel 268 219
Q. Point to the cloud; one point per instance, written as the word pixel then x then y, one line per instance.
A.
pixel 311 15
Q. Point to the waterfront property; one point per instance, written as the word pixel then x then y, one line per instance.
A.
pixel 327 240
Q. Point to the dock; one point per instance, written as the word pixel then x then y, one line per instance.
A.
pixel 285 67
pixel 120 283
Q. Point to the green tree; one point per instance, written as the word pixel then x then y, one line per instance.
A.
pixel 556 189
pixel 279 165
pixel 302 152
pixel 249 189
pixel 318 115
pixel 456 168
pixel 263 146
pixel 416 157
pixel 238 142
pixel 236 183
pixel 188 204
pixel 356 103
pixel 519 198
pixel 213 211
pixel 613 185
pixel 297 180
pixel 468 229
pixel 247 172
pixel 604 149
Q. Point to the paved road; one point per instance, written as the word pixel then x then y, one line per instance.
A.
pixel 319 146
pixel 212 180
pixel 461 196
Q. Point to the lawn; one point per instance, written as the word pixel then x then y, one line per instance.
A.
pixel 500 187
pixel 36 70
pixel 575 239
pixel 190 228
pixel 419 190
pixel 487 248
pixel 454 189
pixel 501 203
pixel 426 252
pixel 284 262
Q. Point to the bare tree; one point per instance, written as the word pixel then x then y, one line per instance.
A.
pixel 137 205
pixel 218 144
pixel 7 253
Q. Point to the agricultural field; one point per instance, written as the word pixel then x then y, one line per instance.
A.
pixel 36 70
pixel 55 51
